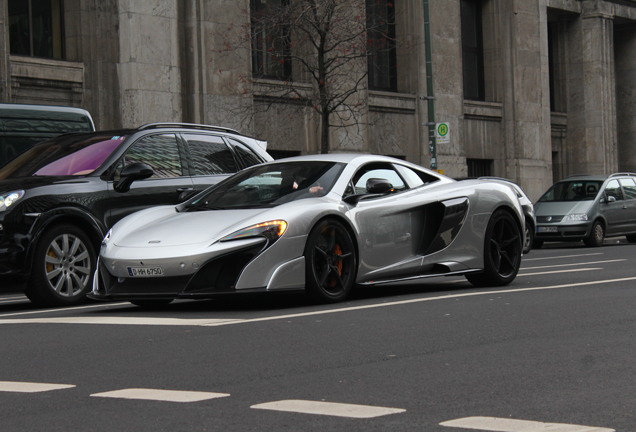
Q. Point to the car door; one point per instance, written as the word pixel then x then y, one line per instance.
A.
pixel 614 207
pixel 385 224
pixel 161 151
pixel 629 205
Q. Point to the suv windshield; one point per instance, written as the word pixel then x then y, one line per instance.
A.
pixel 270 185
pixel 68 155
pixel 575 190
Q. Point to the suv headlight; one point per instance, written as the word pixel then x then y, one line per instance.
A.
pixel 578 217
pixel 8 199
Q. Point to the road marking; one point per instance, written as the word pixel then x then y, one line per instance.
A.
pixel 328 408
pixel 30 387
pixel 114 320
pixel 562 256
pixel 573 264
pixel 560 271
pixel 67 308
pixel 160 395
pixel 511 425
pixel 222 322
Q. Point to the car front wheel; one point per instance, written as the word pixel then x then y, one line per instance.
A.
pixel 502 252
pixel 63 267
pixel 330 262
pixel 597 235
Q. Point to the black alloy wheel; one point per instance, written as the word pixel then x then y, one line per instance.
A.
pixel 330 262
pixel 502 251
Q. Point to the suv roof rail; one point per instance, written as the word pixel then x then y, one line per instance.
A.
pixel 188 125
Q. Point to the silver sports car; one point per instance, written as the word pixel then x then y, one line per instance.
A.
pixel 322 224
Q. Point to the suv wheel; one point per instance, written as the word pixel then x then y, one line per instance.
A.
pixel 63 267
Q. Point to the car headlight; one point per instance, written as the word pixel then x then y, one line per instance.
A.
pixel 6 200
pixel 578 217
pixel 107 237
pixel 271 230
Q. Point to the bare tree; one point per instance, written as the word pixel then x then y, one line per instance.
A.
pixel 323 44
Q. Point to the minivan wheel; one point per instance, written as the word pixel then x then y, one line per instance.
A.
pixel 63 267
pixel 597 235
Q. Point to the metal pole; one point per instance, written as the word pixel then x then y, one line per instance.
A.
pixel 430 97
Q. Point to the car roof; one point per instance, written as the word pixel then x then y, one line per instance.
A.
pixel 599 177
pixel 356 158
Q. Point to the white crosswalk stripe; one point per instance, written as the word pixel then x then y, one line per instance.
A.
pixel 160 395
pixel 495 424
pixel 30 387
pixel 328 408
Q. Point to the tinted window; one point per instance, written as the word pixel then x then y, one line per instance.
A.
pixel 247 156
pixel 160 152
pixel 210 155
pixel 66 155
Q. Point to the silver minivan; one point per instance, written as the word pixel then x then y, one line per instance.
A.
pixel 587 208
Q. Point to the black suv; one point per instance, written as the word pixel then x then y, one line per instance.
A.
pixel 59 198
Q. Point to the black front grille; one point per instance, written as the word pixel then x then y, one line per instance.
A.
pixel 549 219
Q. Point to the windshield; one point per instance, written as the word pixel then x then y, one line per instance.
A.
pixel 579 190
pixel 68 155
pixel 269 185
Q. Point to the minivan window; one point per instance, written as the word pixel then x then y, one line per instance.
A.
pixel 629 187
pixel 575 190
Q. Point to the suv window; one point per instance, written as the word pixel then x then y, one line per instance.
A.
pixel 247 156
pixel 210 155
pixel 160 152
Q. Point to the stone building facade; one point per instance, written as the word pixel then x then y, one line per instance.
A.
pixel 531 90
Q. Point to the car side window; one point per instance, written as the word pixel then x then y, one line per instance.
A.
pixel 375 171
pixel 210 155
pixel 245 154
pixel 629 187
pixel 160 152
pixel 613 189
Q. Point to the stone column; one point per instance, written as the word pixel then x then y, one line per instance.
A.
pixel 4 53
pixel 626 97
pixel 592 138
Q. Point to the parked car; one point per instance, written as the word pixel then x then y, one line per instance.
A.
pixel 588 208
pixel 528 211
pixel 59 198
pixel 318 223
pixel 22 126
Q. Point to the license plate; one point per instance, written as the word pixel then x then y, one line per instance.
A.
pixel 547 229
pixel 145 271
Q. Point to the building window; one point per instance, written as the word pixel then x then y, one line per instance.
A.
pixel 271 43
pixel 472 50
pixel 382 48
pixel 36 28
pixel 479 167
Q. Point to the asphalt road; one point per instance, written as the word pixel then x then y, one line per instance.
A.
pixel 554 351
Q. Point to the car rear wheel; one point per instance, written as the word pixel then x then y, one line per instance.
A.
pixel 330 262
pixel 502 251
pixel 631 238
pixel 63 267
pixel 597 235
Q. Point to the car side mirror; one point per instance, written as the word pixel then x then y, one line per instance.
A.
pixel 378 186
pixel 130 173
